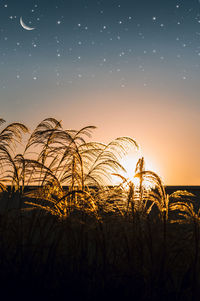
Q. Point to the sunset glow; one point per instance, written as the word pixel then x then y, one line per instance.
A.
pixel 129 162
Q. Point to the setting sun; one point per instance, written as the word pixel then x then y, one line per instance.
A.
pixel 129 162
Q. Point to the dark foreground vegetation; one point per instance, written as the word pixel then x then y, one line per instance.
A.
pixel 126 241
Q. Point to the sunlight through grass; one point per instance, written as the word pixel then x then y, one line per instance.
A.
pixel 66 221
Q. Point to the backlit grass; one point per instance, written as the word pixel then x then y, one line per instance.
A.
pixel 65 227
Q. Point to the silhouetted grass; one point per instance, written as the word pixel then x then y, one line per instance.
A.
pixel 74 234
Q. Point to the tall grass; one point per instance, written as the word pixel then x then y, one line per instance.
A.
pixel 65 227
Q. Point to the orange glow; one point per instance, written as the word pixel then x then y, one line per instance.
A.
pixel 157 122
pixel 129 162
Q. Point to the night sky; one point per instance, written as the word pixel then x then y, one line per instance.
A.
pixel 132 68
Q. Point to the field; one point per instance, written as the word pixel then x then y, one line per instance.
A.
pixel 64 231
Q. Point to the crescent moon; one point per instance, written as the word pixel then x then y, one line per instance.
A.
pixel 25 26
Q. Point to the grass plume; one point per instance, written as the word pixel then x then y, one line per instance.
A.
pixel 64 225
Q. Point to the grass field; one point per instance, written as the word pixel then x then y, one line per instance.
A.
pixel 91 241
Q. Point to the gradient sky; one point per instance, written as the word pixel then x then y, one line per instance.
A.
pixel 132 68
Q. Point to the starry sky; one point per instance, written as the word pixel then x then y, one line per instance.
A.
pixel 131 68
